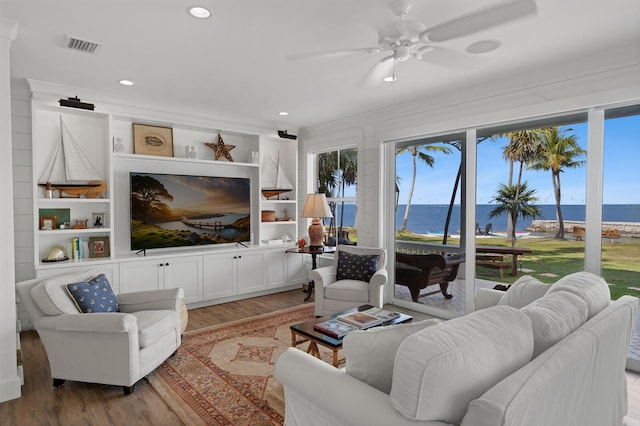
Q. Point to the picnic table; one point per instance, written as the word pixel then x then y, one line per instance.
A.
pixel 492 256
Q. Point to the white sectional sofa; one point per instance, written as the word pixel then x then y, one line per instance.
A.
pixel 538 354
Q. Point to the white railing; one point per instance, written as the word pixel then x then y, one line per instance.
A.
pixel 414 247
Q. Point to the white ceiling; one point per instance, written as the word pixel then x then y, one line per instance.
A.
pixel 237 64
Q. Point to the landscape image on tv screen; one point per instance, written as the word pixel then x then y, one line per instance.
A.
pixel 169 210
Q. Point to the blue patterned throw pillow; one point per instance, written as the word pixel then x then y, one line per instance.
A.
pixel 96 295
pixel 359 267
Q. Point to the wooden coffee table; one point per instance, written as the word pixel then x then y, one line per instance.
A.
pixel 304 332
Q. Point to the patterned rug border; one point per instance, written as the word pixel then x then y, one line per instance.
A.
pixel 185 401
pixel 210 328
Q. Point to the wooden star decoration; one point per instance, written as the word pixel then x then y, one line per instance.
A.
pixel 221 149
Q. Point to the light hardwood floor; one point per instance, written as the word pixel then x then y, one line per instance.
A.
pixel 92 404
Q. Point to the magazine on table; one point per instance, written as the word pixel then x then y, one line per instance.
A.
pixel 334 328
pixel 369 318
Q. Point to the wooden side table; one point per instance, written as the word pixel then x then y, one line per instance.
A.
pixel 314 263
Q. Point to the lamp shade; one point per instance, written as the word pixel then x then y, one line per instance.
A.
pixel 316 206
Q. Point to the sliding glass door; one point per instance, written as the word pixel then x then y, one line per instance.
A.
pixel 427 219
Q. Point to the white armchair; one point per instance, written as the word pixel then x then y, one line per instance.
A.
pixel 333 295
pixel 115 348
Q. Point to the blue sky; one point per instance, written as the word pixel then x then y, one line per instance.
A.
pixel 621 170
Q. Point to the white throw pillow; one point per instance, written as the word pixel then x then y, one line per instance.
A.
pixel 524 291
pixel 438 371
pixel 370 353
pixel 52 297
pixel 592 288
pixel 554 317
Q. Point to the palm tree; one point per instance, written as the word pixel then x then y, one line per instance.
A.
pixel 418 151
pixel 521 147
pixel 515 201
pixel 336 171
pixel 348 175
pixel 557 152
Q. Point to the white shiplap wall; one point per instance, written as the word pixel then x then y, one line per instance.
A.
pixel 22 182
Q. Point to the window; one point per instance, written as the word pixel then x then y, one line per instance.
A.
pixel 621 203
pixel 337 179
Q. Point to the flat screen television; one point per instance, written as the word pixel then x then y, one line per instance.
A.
pixel 170 210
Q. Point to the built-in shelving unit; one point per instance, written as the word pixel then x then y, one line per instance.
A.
pixel 106 138
pixel 89 132
pixel 285 206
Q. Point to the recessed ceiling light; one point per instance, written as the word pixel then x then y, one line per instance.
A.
pixel 483 46
pixel 283 113
pixel 199 12
pixel 126 82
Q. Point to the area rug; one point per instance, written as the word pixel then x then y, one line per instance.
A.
pixel 223 375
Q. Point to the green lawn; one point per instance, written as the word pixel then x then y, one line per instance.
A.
pixel 620 260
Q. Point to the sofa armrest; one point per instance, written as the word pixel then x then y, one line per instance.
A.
pixel 486 297
pixel 151 300
pixel 323 276
pixel 376 287
pixel 345 400
pixel 112 322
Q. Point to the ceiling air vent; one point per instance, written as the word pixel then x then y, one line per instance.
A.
pixel 86 46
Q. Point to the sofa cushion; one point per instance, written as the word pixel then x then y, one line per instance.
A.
pixel 590 287
pixel 370 353
pixel 95 295
pixel 524 291
pixel 348 291
pixel 554 317
pixel 360 267
pixel 52 297
pixel 154 325
pixel 438 371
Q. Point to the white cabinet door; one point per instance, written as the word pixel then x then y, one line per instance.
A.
pixel 110 270
pixel 297 265
pixel 185 272
pixel 250 271
pixel 142 275
pixel 275 268
pixel 219 275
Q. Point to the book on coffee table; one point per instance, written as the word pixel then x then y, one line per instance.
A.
pixel 369 318
pixel 334 328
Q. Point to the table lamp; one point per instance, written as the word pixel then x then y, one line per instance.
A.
pixel 315 207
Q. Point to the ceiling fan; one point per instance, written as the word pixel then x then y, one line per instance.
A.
pixel 407 39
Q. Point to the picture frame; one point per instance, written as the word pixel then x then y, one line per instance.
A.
pixel 152 140
pixel 61 215
pixel 99 247
pixel 99 220
pixel 48 223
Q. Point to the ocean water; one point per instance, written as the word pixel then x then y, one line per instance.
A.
pixel 428 218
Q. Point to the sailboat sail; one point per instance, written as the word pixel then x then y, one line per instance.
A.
pixel 70 170
pixel 274 181
pixel 69 164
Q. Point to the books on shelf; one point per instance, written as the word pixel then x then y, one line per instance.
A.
pixel 334 328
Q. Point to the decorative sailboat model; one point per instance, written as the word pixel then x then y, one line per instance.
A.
pixel 70 170
pixel 274 181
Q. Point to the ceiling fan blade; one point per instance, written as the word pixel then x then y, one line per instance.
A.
pixel 451 59
pixel 331 54
pixel 480 20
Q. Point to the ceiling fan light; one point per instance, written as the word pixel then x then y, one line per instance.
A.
pixel 199 12
pixel 483 46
